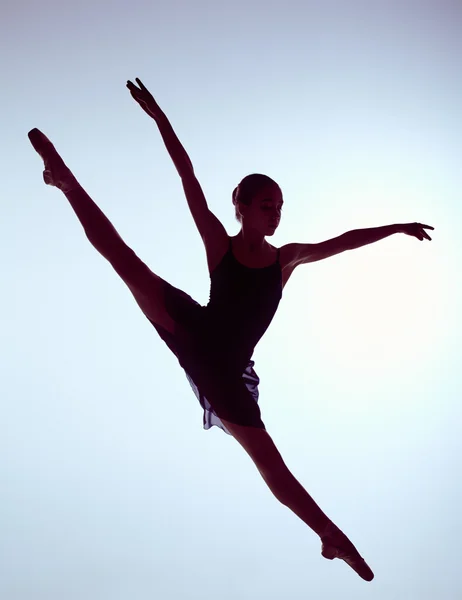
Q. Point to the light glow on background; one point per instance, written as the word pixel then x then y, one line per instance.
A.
pixel 110 487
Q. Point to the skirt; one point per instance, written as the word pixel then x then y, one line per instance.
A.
pixel 225 389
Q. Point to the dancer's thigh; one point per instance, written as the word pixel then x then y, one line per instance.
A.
pixel 148 289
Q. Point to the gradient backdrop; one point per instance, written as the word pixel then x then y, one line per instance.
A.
pixel 110 489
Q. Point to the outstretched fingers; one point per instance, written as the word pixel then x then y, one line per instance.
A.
pixel 141 84
pixel 424 233
pixel 132 87
pixel 143 96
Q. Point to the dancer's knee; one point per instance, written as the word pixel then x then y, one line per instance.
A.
pixel 128 266
pixel 260 447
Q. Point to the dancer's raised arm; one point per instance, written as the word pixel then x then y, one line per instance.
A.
pixel 210 228
pixel 177 153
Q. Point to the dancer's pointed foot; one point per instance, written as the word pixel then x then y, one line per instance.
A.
pixel 56 173
pixel 335 544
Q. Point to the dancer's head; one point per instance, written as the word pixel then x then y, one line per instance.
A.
pixel 258 203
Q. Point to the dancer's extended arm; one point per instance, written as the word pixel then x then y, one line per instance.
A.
pixel 174 147
pixel 305 253
pixel 207 223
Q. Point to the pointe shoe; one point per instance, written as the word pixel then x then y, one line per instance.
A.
pixel 335 544
pixel 56 173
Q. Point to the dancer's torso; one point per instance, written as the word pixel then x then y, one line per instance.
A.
pixel 242 304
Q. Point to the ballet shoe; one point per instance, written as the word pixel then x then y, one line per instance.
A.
pixel 335 544
pixel 56 173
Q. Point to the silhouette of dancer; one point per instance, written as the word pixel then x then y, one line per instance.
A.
pixel 214 343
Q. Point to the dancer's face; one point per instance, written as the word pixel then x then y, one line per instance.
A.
pixel 264 212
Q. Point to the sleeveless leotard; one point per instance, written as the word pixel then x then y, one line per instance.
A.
pixel 214 343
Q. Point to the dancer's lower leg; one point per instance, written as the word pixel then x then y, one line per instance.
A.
pixel 99 230
pixel 288 490
pixel 335 543
pixel 285 487
pixel 292 494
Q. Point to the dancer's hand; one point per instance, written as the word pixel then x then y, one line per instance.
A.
pixel 144 98
pixel 417 230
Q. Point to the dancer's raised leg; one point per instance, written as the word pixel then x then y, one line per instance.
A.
pixel 262 450
pixel 146 286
